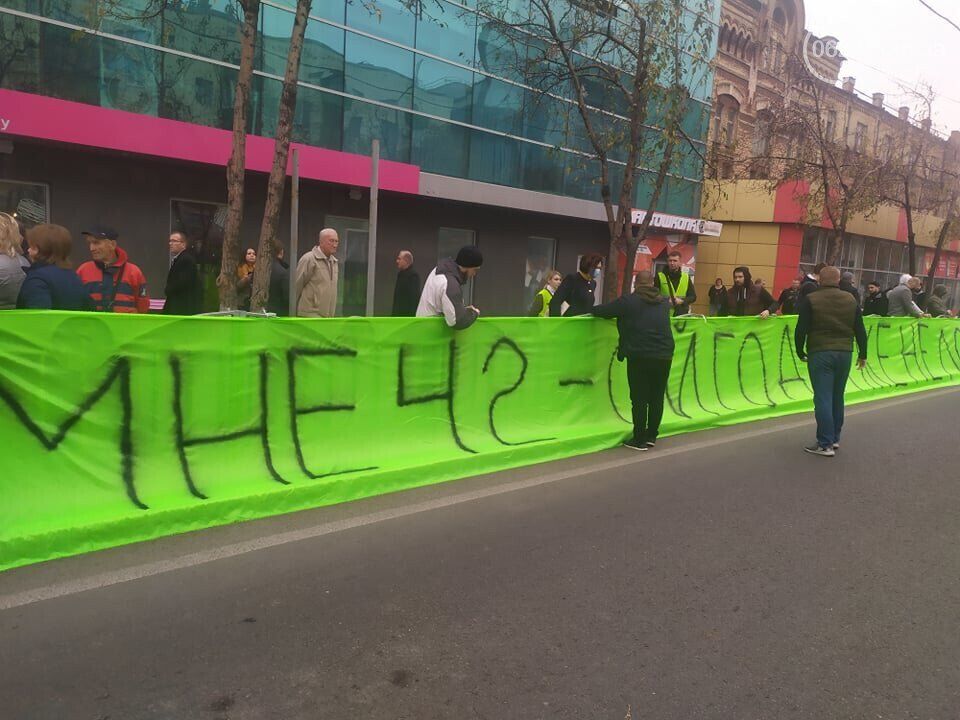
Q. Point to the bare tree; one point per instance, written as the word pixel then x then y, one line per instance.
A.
pixel 905 169
pixel 236 167
pixel 832 180
pixel 625 72
pixel 278 173
pixel 949 223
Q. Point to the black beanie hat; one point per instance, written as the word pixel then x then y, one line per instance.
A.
pixel 469 257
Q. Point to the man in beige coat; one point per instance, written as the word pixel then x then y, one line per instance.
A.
pixel 317 274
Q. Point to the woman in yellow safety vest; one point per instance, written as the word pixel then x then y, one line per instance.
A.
pixel 541 301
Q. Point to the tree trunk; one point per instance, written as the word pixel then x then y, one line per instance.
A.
pixel 942 239
pixel 911 234
pixel 278 174
pixel 236 168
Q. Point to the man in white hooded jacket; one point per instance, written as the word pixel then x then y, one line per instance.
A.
pixel 443 291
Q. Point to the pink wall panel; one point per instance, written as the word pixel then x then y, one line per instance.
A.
pixel 45 118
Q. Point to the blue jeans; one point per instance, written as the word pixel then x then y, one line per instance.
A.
pixel 829 370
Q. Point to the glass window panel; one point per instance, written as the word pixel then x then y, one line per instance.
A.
pixel 130 77
pixel 883 255
pixel 642 189
pixel 319 119
pixel 449 241
pixel 440 147
pixel 443 90
pixel 682 197
pixel 494 159
pixel 500 54
pixel 543 168
pixel 322 60
pixel 896 257
pixel 447 31
pixel 20 53
pixel 62 49
pixel 209 29
pixel 389 19
pixel 541 259
pixel 198 92
pixel 497 105
pixel 362 122
pixel 545 118
pixel 203 223
pixel 581 179
pixel 808 250
pixel 870 249
pixel 378 71
pixel 25 201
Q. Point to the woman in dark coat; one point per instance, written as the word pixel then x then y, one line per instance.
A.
pixel 577 289
pixel 51 284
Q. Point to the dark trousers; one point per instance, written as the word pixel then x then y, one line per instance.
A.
pixel 648 384
pixel 829 370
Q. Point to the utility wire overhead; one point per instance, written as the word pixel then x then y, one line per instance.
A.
pixel 939 14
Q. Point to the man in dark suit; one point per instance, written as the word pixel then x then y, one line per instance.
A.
pixel 183 280
pixel 406 294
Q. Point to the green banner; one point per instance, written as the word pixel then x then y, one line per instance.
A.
pixel 119 428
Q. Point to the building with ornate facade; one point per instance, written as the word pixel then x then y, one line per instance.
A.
pixel 758 39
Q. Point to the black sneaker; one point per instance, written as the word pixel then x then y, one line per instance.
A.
pixel 650 443
pixel 821 451
pixel 636 445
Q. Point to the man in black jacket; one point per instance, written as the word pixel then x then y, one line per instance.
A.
pixel 406 293
pixel 646 341
pixel 875 302
pixel 278 298
pixel 811 281
pixel 183 291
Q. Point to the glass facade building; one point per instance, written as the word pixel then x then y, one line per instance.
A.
pixel 433 88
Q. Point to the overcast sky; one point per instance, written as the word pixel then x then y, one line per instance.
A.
pixel 886 41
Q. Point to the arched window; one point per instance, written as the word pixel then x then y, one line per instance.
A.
pixel 725 120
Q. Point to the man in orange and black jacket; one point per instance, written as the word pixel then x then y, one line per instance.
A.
pixel 113 283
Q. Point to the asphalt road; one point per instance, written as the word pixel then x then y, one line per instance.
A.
pixel 726 575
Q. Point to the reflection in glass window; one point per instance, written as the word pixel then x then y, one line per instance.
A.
pixel 494 159
pixel 443 90
pixel 497 105
pixel 542 168
pixel 362 122
pixel 541 259
pixel 27 202
pixel 208 29
pixel 203 223
pixel 447 31
pixel 389 19
pixel 353 253
pixel 440 147
pixel 322 60
pixel 317 120
pixel 197 92
pixel 378 71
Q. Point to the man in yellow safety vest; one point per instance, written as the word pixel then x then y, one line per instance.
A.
pixel 677 285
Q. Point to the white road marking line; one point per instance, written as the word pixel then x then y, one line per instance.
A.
pixel 137 572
